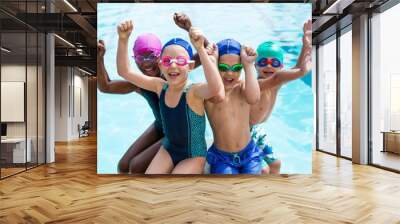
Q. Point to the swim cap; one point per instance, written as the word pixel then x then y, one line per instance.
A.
pixel 181 42
pixel 228 46
pixel 270 50
pixel 147 42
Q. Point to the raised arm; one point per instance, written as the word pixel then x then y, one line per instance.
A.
pixel 280 77
pixel 149 83
pixel 250 89
pixel 302 67
pixel 105 84
pixel 214 86
pixel 307 42
pixel 183 21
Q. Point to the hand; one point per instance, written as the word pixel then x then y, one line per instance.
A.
pixel 183 21
pixel 307 32
pixel 304 61
pixel 125 29
pixel 212 50
pixel 196 37
pixel 101 49
pixel 247 55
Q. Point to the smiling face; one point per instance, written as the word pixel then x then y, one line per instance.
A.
pixel 266 71
pixel 230 78
pixel 149 67
pixel 174 73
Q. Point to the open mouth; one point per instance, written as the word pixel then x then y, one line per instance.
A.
pixel 265 75
pixel 150 71
pixel 173 74
pixel 228 80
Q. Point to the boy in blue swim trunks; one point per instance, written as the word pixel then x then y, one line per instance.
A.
pixel 271 77
pixel 233 150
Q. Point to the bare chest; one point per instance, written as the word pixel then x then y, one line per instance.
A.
pixel 233 107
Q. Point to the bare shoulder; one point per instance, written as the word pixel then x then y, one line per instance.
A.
pixel 195 87
pixel 191 92
pixel 270 89
pixel 159 85
pixel 195 103
pixel 268 95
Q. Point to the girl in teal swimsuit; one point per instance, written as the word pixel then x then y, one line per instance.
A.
pixel 183 149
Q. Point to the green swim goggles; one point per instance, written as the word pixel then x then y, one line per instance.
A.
pixel 234 68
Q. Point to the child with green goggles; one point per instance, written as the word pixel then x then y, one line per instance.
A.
pixel 234 68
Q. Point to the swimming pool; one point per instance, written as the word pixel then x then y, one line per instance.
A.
pixel 122 118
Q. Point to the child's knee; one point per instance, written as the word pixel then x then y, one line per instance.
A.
pixel 123 166
pixel 275 167
pixel 265 170
pixel 136 167
pixel 276 164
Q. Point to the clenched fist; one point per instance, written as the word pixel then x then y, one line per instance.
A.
pixel 247 55
pixel 125 29
pixel 183 21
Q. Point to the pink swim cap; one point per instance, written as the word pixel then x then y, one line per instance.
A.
pixel 147 42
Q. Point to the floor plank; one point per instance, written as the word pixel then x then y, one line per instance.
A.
pixel 70 191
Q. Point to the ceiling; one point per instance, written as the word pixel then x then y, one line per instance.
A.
pixel 76 22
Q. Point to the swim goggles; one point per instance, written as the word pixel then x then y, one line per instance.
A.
pixel 274 62
pixel 180 61
pixel 141 58
pixel 234 68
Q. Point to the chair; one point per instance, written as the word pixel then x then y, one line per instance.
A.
pixel 84 130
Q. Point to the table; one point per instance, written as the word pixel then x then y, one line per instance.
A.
pixel 16 147
pixel 391 141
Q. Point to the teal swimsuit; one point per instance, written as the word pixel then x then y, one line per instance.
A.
pixel 184 129
pixel 153 101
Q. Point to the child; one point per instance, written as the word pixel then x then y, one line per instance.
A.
pixel 271 77
pixel 233 150
pixel 183 148
pixel 146 50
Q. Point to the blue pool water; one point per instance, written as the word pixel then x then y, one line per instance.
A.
pixel 122 118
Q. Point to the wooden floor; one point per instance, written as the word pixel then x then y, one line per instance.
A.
pixel 5 172
pixel 70 191
pixel 10 171
pixel 387 159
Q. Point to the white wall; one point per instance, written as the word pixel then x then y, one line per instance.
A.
pixel 61 103
pixel 33 127
pixel 13 73
pixel 81 84
pixel 71 93
pixel 16 73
